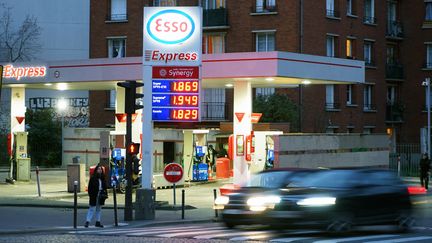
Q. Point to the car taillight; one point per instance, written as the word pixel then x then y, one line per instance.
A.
pixel 416 190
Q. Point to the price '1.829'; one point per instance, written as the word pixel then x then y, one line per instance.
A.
pixel 184 114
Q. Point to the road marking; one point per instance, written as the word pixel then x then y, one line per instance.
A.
pixel 170 231
pixel 403 239
pixel 128 230
pixel 229 234
pixel 290 239
pixel 189 232
pixel 356 238
pixel 251 237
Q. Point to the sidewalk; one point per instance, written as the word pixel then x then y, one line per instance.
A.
pixel 54 209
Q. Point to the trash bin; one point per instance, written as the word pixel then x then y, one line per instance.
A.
pixel 222 168
pixel 76 172
pixel 23 169
pixel 76 160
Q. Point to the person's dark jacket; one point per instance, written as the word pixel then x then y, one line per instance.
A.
pixel 424 166
pixel 93 190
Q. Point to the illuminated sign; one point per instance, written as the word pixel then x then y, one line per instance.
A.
pixel 175 94
pixel 9 71
pixel 172 35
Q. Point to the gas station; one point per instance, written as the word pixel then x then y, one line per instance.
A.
pixel 241 71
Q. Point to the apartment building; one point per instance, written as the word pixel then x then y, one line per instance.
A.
pixel 392 37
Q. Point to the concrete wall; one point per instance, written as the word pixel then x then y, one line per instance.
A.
pixel 83 142
pixel 331 150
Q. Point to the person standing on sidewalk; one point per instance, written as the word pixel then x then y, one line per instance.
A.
pixel 97 191
pixel 424 171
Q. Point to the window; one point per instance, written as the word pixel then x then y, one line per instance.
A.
pixel 391 56
pixel 213 43
pixel 265 6
pixel 213 4
pixel 428 55
pixel 349 94
pixel 350 7
pixel 350 48
pixel 428 15
pixel 330 8
pixel 116 47
pixel 118 10
pixel 265 41
pixel 369 11
pixel 367 130
pixel 112 99
pixel 368 51
pixel 391 95
pixel 264 91
pixel 367 98
pixel 213 106
pixel 330 43
pixel 330 96
pixel 163 3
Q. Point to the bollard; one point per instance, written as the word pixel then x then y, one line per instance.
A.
pixel 183 203
pixel 115 203
pixel 398 165
pixel 38 181
pixel 75 204
pixel 174 195
pixel 215 195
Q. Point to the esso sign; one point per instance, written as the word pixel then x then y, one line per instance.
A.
pixel 170 26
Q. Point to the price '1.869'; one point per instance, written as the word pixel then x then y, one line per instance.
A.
pixel 184 86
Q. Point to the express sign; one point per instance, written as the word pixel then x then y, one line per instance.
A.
pixel 172 36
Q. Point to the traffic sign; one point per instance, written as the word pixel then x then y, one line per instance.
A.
pixel 173 172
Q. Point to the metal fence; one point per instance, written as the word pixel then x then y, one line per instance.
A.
pixel 406 160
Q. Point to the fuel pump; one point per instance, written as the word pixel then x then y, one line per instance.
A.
pixel 250 147
pixel 20 161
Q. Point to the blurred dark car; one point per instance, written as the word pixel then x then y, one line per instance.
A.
pixel 334 200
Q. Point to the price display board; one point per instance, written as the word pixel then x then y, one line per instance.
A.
pixel 176 94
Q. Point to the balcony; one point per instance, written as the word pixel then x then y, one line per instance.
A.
pixel 216 111
pixel 394 112
pixel 215 17
pixel 369 20
pixel 332 13
pixel 264 9
pixel 394 71
pixel 116 18
pixel 369 63
pixel 427 65
pixel 394 30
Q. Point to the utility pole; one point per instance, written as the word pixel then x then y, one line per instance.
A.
pixel 1 81
pixel 426 83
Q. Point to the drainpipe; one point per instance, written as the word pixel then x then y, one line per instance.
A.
pixel 300 94
pixel 301 27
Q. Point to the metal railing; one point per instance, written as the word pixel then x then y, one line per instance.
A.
pixel 369 20
pixel 332 106
pixel 215 17
pixel 427 65
pixel 216 111
pixel 406 160
pixel 264 9
pixel 394 29
pixel 369 107
pixel 116 17
pixel 394 112
pixel 369 63
pixel 332 13
pixel 395 71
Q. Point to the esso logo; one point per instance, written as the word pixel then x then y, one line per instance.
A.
pixel 170 26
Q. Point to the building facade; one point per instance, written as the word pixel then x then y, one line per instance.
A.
pixel 392 37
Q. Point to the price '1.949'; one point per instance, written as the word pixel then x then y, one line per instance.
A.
pixel 184 114
pixel 184 100
pixel 184 86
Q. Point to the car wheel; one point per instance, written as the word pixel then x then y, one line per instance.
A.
pixel 230 225
pixel 405 222
pixel 340 223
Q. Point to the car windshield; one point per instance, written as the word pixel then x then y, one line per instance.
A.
pixel 274 179
pixel 328 179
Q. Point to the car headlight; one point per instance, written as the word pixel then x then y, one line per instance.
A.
pixel 317 201
pixel 220 202
pixel 262 203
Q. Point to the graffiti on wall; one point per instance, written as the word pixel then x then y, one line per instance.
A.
pixel 76 113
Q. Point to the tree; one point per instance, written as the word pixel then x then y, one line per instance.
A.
pixel 44 137
pixel 21 44
pixel 277 108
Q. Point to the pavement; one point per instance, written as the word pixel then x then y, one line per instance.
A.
pixel 22 210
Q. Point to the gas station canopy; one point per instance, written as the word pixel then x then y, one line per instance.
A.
pixel 262 69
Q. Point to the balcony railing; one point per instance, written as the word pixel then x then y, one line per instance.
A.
pixel 116 17
pixel 369 107
pixel 332 106
pixel 394 29
pixel 369 20
pixel 215 17
pixel 216 111
pixel 369 63
pixel 427 65
pixel 264 9
pixel 394 112
pixel 332 13
pixel 394 71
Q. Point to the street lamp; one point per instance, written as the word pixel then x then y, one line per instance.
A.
pixel 426 83
pixel 61 106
